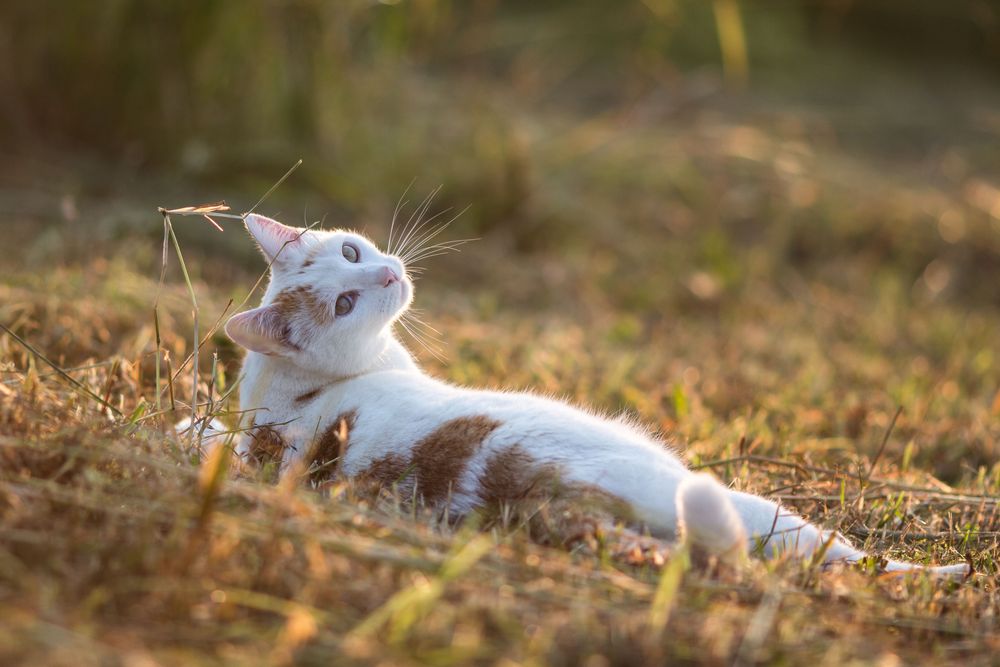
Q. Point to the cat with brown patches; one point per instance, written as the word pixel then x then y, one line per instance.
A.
pixel 324 372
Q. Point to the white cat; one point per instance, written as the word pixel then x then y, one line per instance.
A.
pixel 322 359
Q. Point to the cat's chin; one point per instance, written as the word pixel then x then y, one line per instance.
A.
pixel 405 296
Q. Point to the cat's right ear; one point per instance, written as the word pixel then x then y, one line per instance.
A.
pixel 265 330
pixel 279 243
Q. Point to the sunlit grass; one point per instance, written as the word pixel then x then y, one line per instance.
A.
pixel 182 570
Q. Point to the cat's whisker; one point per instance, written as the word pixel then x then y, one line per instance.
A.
pixel 431 349
pixel 414 315
pixel 436 253
pixel 416 220
pixel 444 245
pixel 416 246
pixel 408 228
pixel 420 241
pixel 428 341
pixel 426 329
pixel 400 203
pixel 428 234
pixel 431 233
pixel 392 225
pixel 431 255
pixel 418 315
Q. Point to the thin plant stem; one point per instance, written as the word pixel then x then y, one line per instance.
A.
pixel 194 304
pixel 273 188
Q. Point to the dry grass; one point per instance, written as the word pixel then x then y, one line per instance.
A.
pixel 768 280
pixel 115 547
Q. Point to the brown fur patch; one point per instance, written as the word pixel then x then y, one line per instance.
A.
pixel 308 396
pixel 513 475
pixel 266 446
pixel 510 474
pixel 441 457
pixel 302 300
pixel 330 447
pixel 317 309
pixel 555 510
pixel 384 471
pixel 286 302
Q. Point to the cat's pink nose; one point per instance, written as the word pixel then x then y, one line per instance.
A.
pixel 388 276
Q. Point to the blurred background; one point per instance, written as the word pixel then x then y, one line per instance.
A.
pixel 744 132
pixel 712 212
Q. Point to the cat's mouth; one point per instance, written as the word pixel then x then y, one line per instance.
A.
pixel 405 292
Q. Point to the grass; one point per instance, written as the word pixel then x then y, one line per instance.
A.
pixel 114 550
pixel 800 294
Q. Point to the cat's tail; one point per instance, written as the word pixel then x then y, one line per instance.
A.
pixel 724 523
pixel 707 520
pixel 777 531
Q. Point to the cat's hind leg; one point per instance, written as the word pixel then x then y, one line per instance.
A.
pixel 707 520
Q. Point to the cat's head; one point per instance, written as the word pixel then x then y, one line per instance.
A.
pixel 331 302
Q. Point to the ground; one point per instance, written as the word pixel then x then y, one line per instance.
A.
pixel 803 298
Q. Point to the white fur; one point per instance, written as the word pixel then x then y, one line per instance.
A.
pixel 361 367
pixel 707 519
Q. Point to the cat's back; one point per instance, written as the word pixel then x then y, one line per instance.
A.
pixel 395 412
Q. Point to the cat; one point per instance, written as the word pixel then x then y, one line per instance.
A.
pixel 324 369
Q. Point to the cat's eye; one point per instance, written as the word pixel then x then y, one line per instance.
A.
pixel 351 253
pixel 345 304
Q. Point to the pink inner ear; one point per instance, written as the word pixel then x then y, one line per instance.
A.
pixel 261 330
pixel 272 236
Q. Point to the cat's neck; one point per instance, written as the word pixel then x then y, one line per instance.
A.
pixel 270 383
pixel 395 357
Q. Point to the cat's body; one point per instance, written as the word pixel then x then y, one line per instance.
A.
pixel 323 363
pixel 453 437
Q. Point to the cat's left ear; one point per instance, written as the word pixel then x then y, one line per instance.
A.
pixel 265 330
pixel 279 243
